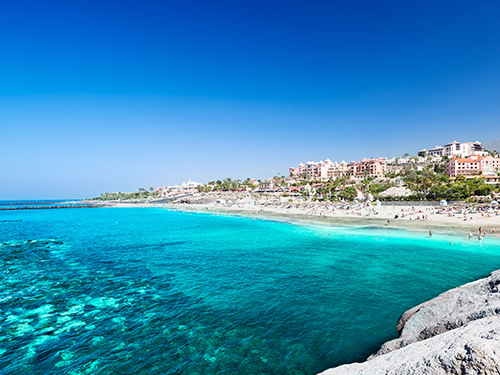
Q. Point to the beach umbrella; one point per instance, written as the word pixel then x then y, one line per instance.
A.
pixel 443 203
pixel 494 202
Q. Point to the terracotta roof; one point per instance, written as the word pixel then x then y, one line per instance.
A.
pixel 463 160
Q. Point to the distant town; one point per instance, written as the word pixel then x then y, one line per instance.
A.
pixel 454 171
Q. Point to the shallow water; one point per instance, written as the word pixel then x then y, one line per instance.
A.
pixel 147 291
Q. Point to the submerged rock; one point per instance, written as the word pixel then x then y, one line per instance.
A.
pixel 457 332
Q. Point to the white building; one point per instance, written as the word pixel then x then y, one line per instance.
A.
pixel 463 149
pixel 458 149
pixel 189 187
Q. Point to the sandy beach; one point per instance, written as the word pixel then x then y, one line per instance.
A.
pixel 449 220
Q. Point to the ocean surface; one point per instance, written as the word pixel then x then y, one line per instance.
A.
pixel 155 291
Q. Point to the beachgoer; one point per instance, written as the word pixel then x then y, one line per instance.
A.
pixel 388 222
pixel 470 236
pixel 430 233
pixel 451 243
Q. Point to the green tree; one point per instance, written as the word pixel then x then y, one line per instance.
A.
pixel 349 193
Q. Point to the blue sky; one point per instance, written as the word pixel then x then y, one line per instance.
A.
pixel 113 96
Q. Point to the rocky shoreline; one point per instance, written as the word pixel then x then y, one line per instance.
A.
pixel 458 332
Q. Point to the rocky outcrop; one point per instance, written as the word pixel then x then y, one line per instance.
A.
pixel 471 349
pixel 457 332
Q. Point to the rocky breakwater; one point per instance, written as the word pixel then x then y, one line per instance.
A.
pixel 53 207
pixel 457 332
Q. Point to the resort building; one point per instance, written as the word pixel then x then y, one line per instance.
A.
pixel 463 149
pixel 437 151
pixel 368 167
pixel 464 167
pixel 322 170
pixel 313 170
pixel 458 149
pixel 189 187
pixel 328 169
pixel 186 188
pixel 486 166
pixel 337 170
pixel 166 191
pixel 490 165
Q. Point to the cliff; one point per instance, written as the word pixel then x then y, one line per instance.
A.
pixel 457 332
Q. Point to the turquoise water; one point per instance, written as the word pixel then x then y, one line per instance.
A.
pixel 153 291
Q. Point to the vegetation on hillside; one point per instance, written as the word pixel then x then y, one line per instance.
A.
pixel 140 195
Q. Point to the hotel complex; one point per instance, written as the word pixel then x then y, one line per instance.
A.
pixel 467 159
pixel 454 149
pixel 320 171
pixel 473 166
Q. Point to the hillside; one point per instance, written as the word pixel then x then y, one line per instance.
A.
pixel 492 145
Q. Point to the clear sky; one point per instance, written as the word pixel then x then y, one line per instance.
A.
pixel 102 96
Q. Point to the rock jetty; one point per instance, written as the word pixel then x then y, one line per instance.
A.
pixel 51 207
pixel 457 332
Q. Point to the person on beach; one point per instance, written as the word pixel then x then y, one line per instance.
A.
pixel 470 236
pixel 430 233
pixel 388 222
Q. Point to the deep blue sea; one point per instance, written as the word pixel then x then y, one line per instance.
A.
pixel 154 291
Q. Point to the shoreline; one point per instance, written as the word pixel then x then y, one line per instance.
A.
pixel 437 223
